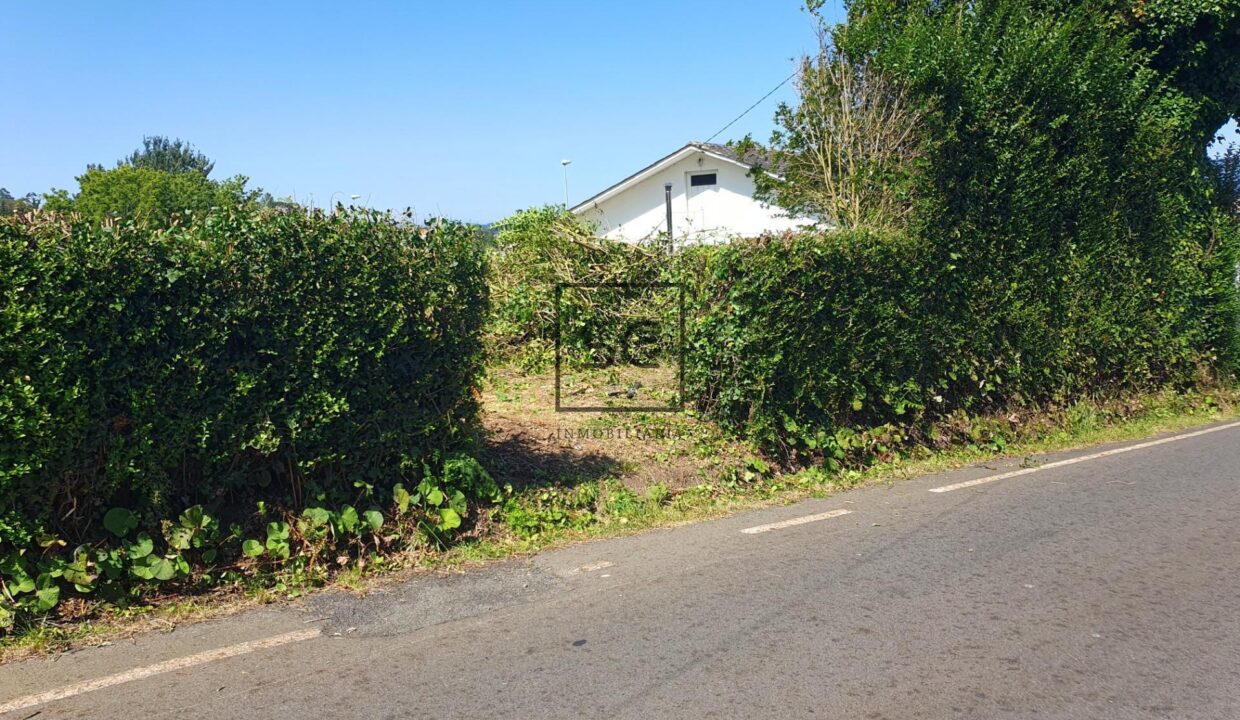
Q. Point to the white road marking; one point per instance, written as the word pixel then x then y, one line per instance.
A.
pixel 182 663
pixel 795 521
pixel 1083 458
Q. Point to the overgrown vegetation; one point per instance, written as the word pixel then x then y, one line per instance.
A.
pixel 1023 242
pixel 541 249
pixel 229 396
pixel 1061 242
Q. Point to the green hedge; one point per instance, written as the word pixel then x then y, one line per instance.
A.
pixel 537 250
pixel 798 337
pixel 290 358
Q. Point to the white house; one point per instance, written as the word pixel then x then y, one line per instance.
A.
pixel 712 198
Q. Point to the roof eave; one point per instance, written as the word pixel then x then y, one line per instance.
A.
pixel 650 170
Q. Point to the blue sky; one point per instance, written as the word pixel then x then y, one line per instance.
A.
pixel 456 108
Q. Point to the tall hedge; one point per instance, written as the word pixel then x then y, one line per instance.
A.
pixel 802 335
pixel 1062 241
pixel 248 356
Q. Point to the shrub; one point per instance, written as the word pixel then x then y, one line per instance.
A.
pixel 287 358
pixel 537 250
pixel 805 336
pixel 1061 242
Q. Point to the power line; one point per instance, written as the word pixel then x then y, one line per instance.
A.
pixel 751 107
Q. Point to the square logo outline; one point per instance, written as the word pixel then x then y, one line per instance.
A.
pixel 679 406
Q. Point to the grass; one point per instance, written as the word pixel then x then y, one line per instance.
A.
pixel 665 470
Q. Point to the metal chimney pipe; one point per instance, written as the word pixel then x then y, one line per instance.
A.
pixel 667 196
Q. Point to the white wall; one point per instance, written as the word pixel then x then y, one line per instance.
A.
pixel 704 215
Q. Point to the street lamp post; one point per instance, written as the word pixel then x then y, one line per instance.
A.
pixel 564 164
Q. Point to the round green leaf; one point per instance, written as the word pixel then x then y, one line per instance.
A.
pixel 252 548
pixel 119 521
pixel 141 548
pixel 449 519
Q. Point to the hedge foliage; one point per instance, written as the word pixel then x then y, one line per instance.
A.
pixel 1062 243
pixel 291 358
pixel 540 249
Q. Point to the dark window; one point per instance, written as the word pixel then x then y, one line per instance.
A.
pixel 702 180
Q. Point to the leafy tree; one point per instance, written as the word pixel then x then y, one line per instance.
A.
pixel 10 204
pixel 173 156
pixel 1225 175
pixel 846 153
pixel 148 194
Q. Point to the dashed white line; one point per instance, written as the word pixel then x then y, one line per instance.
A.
pixel 795 521
pixel 182 663
pixel 1083 458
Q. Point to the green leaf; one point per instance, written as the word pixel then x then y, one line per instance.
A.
pixel 449 519
pixel 141 548
pixel 435 497
pixel 46 593
pixel 252 548
pixel 154 567
pixel 180 538
pixel 374 519
pixel 317 516
pixel 401 497
pixel 348 518
pixel 195 518
pixel 17 576
pixel 119 521
pixel 77 570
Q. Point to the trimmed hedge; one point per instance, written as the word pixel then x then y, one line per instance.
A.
pixel 797 337
pixel 282 357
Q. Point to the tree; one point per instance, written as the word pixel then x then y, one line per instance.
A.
pixel 148 194
pixel 173 156
pixel 845 154
pixel 1225 176
pixel 10 204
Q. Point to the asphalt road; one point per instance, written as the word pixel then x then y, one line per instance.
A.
pixel 1109 588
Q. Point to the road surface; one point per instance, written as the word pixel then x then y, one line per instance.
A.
pixel 1107 587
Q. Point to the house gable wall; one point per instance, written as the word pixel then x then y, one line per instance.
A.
pixel 699 214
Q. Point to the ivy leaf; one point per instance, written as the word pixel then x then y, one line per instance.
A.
pixel 435 497
pixel 374 519
pixel 119 521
